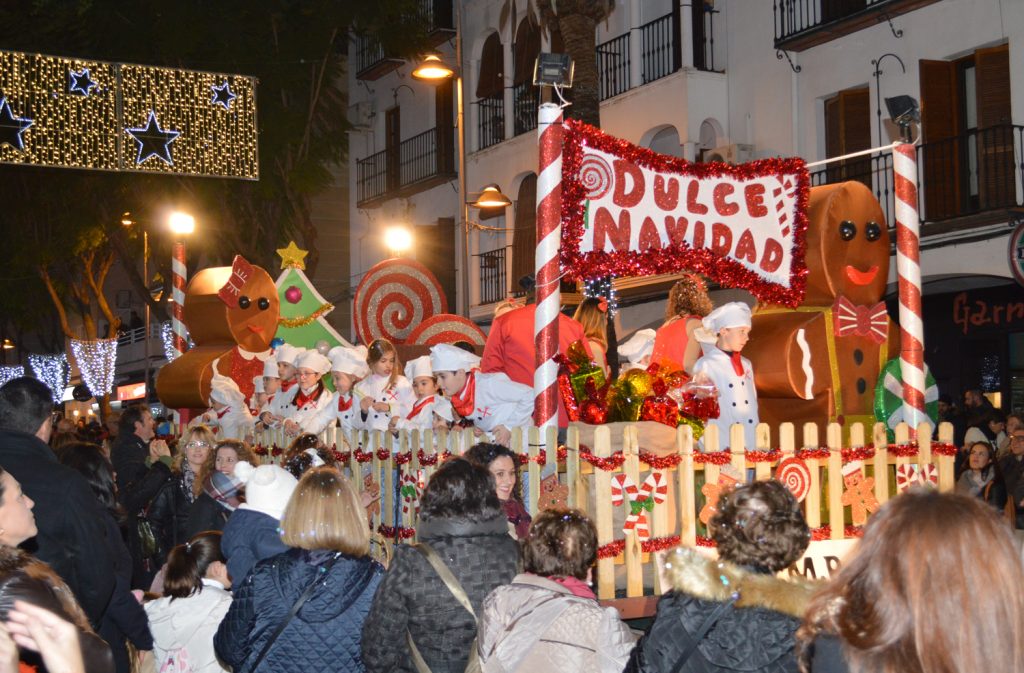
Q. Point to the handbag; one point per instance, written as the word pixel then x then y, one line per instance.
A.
pixel 450 581
pixel 148 544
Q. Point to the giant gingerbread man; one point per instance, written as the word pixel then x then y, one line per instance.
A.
pixel 820 361
pixel 231 313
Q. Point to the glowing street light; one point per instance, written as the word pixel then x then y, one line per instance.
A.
pixel 181 223
pixel 398 239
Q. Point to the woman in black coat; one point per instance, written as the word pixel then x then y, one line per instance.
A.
pixel 220 494
pixel 168 512
pixel 124 617
pixel 462 520
pixel 743 617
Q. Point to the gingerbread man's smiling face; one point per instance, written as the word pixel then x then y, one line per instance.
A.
pixel 252 306
pixel 847 245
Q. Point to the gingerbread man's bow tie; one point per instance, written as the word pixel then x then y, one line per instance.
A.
pixel 852 319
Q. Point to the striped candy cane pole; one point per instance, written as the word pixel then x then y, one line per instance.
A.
pixel 908 271
pixel 549 236
pixel 178 274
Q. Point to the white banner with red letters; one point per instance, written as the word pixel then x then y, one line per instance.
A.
pixel 628 211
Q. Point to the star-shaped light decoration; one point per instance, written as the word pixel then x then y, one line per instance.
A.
pixel 12 127
pixel 81 82
pixel 222 95
pixel 153 141
pixel 292 257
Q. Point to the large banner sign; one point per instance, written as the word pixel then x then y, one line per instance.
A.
pixel 628 211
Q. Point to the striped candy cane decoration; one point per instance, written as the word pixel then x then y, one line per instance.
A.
pixel 410 494
pixel 623 489
pixel 908 271
pixel 178 274
pixel 549 237
pixel 653 491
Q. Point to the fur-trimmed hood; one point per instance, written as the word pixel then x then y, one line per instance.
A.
pixel 691 573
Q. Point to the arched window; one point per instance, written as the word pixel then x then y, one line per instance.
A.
pixel 525 101
pixel 490 93
pixel 525 235
pixel 666 141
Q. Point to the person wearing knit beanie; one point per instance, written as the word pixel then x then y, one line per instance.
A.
pixel 251 533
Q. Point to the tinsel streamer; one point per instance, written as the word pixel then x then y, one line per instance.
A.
pixel 677 256
pixel 307 320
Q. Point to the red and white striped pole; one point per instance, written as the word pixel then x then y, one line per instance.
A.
pixel 908 271
pixel 548 276
pixel 178 274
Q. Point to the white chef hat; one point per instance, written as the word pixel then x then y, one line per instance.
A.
pixel 225 390
pixel 288 353
pixel 270 369
pixel 257 384
pixel 449 358
pixel 638 346
pixel 443 408
pixel 733 314
pixel 313 360
pixel 350 361
pixel 414 369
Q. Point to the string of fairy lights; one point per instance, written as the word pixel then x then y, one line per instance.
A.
pixel 74 113
pixel 53 370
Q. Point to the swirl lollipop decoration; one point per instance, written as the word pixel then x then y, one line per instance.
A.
pixel 595 176
pixel 393 297
pixel 446 328
pixel 796 476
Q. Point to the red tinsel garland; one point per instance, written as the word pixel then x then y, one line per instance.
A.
pixel 401 532
pixel 660 462
pixel 944 449
pixel 613 549
pixel 858 453
pixel 433 458
pixel 715 458
pixel 811 454
pixel 676 256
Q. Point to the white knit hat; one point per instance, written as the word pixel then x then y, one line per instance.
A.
pixel 288 353
pixel 313 360
pixel 733 314
pixel 350 361
pixel 448 358
pixel 270 369
pixel 225 390
pixel 267 488
pixel 638 346
pixel 414 369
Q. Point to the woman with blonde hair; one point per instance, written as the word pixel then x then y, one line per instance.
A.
pixel 674 344
pixel 925 557
pixel 592 313
pixel 303 610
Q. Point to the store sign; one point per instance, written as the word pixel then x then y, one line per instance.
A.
pixel 1016 253
pixel 971 314
pixel 132 391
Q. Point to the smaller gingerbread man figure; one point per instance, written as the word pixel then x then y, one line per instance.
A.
pixel 727 478
pixel 859 494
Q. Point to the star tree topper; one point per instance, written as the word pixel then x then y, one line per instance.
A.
pixel 292 257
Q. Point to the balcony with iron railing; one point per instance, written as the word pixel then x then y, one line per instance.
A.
pixel 967 180
pixel 437 19
pixel 802 24
pixel 418 163
pixel 490 120
pixel 524 107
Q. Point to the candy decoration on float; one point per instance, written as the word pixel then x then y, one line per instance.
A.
pixel 908 271
pixel 178 275
pixel 794 474
pixel 548 276
pixel 446 328
pixel 395 296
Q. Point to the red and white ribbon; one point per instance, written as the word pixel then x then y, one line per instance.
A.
pixel 178 276
pixel 908 273
pixel 548 273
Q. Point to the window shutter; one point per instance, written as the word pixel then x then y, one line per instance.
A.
pixel 492 66
pixel 940 153
pixel 525 236
pixel 996 187
pixel 527 47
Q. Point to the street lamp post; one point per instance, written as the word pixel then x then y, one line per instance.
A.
pixel 181 224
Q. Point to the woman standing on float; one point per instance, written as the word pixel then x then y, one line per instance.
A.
pixel 674 344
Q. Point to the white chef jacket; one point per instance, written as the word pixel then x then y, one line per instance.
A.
pixel 399 398
pixel 280 403
pixel 737 397
pixel 500 401
pixel 349 419
pixel 306 417
pixel 234 422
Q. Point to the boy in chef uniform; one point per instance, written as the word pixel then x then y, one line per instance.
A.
pixel 637 349
pixel 275 410
pixel 723 334
pixel 348 367
pixel 493 402
pixel 228 412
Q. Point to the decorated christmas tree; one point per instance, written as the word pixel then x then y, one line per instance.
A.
pixel 303 309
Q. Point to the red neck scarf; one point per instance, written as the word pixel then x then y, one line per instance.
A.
pixel 343 403
pixel 302 399
pixel 737 362
pixel 465 402
pixel 576 586
pixel 418 407
pixel 287 385
pixel 223 412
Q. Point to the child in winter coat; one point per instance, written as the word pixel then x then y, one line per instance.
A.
pixel 548 618
pixel 723 334
pixel 251 533
pixel 492 402
pixel 385 395
pixel 348 367
pixel 195 601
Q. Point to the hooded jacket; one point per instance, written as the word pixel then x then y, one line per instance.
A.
pixel 323 636
pixel 249 536
pixel 412 597
pixel 756 633
pixel 184 627
pixel 23 578
pixel 535 624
